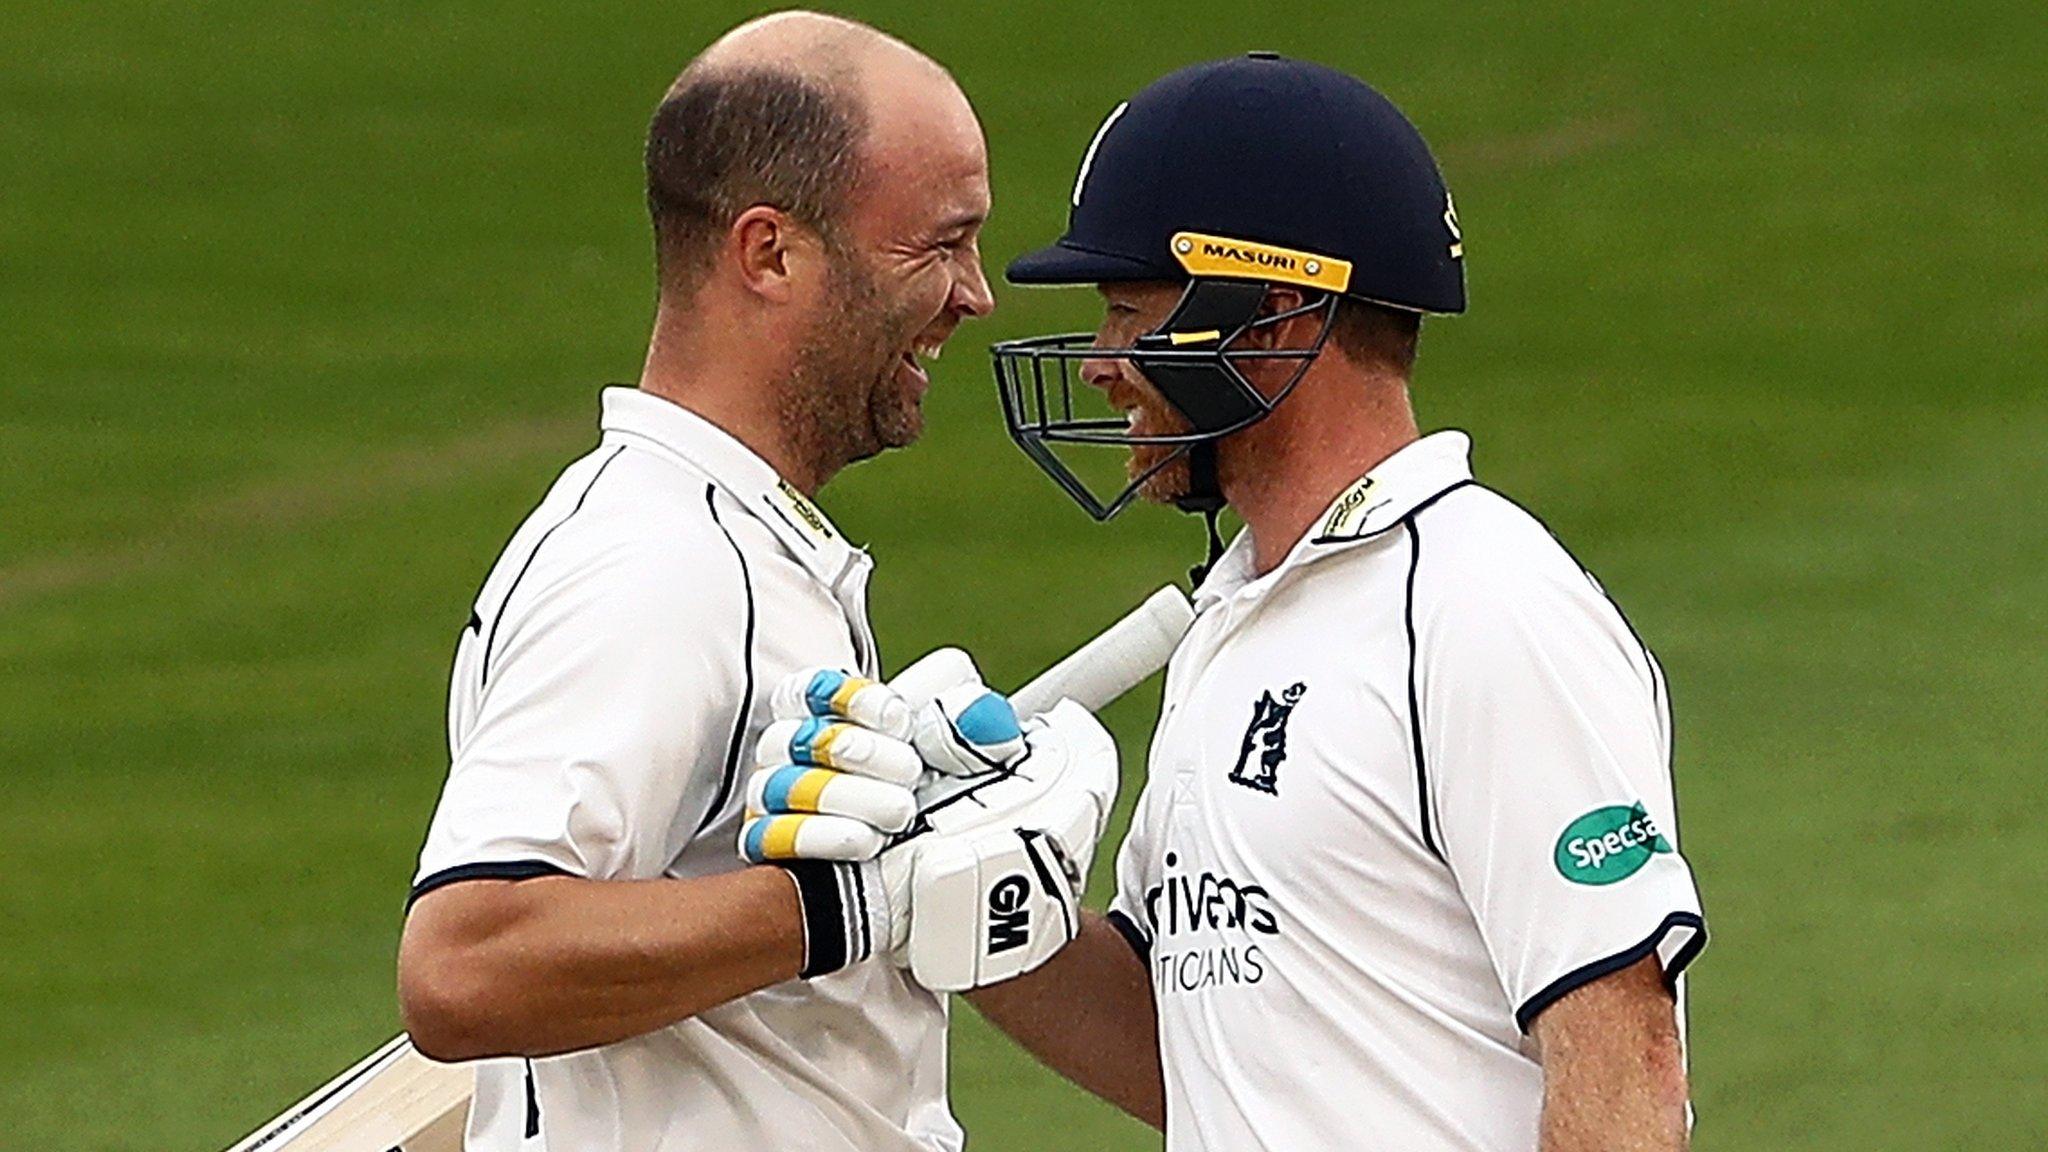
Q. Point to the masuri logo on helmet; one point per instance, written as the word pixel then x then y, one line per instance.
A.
pixel 1204 255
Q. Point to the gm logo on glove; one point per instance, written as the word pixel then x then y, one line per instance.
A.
pixel 1009 920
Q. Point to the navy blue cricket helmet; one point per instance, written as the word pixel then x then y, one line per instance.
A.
pixel 1233 176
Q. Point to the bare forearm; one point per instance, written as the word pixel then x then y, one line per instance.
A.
pixel 536 967
pixel 1613 1068
pixel 1582 1118
pixel 1088 1014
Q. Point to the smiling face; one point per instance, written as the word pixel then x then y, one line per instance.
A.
pixel 905 270
pixel 1131 311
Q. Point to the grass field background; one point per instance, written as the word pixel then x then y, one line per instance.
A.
pixel 302 306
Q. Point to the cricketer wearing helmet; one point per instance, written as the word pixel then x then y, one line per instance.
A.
pixel 1405 870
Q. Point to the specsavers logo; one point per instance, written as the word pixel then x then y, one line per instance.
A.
pixel 1226 918
pixel 1608 845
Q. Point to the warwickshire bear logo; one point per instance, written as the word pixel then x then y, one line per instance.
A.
pixel 1267 737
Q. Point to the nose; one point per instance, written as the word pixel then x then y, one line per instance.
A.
pixel 971 293
pixel 1101 371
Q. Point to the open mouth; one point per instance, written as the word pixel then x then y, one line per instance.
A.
pixel 919 354
pixel 1145 420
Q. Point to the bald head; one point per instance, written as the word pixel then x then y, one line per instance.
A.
pixel 792 110
pixel 808 44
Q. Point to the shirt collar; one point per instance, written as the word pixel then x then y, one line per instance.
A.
pixel 725 461
pixel 1419 472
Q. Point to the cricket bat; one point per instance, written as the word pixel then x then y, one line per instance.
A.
pixel 396 1100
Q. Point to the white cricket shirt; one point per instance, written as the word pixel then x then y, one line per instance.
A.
pixel 1407 789
pixel 606 697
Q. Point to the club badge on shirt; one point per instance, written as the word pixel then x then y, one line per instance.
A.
pixel 1265 741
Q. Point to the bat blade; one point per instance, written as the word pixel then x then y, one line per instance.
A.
pixel 393 1100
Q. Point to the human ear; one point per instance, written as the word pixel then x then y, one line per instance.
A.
pixel 1280 299
pixel 761 246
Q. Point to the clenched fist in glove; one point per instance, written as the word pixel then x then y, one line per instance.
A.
pixel 836 769
pixel 929 826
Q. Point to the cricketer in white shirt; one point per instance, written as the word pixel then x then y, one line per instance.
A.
pixel 606 698
pixel 1407 790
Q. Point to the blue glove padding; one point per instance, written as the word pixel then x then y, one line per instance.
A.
pixel 966 730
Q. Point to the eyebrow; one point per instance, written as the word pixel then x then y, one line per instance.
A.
pixel 960 222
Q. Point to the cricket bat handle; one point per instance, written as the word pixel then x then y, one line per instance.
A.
pixel 1093 675
pixel 1098 672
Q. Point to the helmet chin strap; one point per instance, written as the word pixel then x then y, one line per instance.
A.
pixel 1204 495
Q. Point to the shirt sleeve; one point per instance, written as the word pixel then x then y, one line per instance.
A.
pixel 1545 746
pixel 1134 869
pixel 605 731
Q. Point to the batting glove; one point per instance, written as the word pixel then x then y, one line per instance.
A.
pixel 997 868
pixel 986 883
pixel 966 730
pixel 835 771
pixel 835 768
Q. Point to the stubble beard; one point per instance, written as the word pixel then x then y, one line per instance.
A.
pixel 843 402
pixel 1171 482
pixel 1173 479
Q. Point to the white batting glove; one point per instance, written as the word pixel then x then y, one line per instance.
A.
pixel 832 692
pixel 958 725
pixel 986 884
pixel 999 867
pixel 826 785
pixel 833 773
pixel 968 729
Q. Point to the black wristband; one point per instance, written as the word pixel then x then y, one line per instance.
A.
pixel 832 898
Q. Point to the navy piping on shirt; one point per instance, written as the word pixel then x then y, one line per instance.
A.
pixel 496 617
pixel 739 722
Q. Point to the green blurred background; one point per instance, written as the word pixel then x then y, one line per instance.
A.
pixel 302 306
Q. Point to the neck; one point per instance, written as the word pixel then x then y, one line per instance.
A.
pixel 730 386
pixel 1291 471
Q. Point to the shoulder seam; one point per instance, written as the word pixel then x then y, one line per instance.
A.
pixel 1418 510
pixel 1658 686
pixel 498 617
pixel 1660 692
